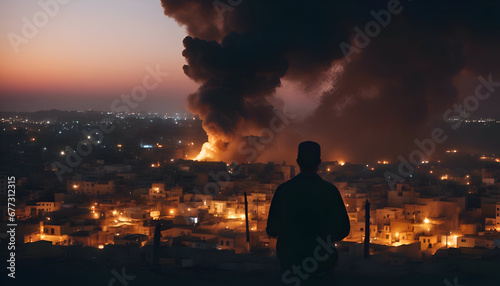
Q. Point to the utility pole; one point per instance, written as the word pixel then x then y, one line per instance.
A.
pixel 156 244
pixel 367 230
pixel 246 220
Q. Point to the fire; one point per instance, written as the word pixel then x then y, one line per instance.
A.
pixel 208 150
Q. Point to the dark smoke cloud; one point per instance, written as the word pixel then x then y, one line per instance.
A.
pixel 386 96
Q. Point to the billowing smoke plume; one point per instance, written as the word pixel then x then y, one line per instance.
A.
pixel 388 92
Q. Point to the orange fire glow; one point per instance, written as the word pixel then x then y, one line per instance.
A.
pixel 208 150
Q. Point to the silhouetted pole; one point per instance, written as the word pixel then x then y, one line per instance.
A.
pixel 246 220
pixel 367 230
pixel 156 244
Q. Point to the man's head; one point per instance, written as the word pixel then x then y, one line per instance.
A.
pixel 309 156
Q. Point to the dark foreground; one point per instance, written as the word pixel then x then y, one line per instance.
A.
pixel 88 272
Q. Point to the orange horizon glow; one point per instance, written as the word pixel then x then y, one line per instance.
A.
pixel 90 51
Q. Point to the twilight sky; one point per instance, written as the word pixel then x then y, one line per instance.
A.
pixel 88 54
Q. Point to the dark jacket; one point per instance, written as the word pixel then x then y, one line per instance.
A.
pixel 304 211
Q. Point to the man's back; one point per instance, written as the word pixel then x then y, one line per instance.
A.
pixel 307 212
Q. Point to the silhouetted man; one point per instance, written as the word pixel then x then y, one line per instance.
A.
pixel 308 216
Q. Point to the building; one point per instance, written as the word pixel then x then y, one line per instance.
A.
pixel 476 241
pixel 94 238
pixel 57 233
pixel 176 232
pixel 157 191
pixel 40 209
pixel 91 188
pixel 357 232
pixel 404 194
pixel 385 215
pixel 428 241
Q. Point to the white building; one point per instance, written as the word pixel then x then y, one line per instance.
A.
pixel 476 241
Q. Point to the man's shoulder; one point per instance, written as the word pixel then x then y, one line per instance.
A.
pixel 328 185
pixel 301 179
